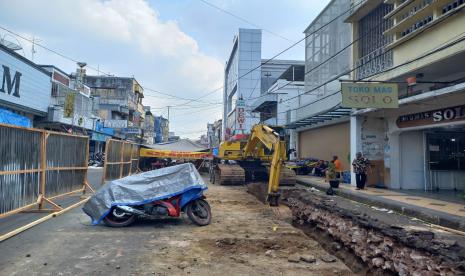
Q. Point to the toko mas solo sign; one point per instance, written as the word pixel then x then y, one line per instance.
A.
pixel 370 95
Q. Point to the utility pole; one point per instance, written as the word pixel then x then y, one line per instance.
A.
pixel 33 49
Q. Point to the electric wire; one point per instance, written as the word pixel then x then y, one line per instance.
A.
pixel 244 20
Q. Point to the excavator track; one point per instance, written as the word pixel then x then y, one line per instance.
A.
pixel 287 177
pixel 230 174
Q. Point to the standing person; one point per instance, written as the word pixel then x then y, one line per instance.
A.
pixel 338 166
pixel 361 167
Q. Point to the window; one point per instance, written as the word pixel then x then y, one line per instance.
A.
pixel 446 151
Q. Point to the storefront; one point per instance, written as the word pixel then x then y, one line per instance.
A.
pixel 25 88
pixel 326 141
pixel 419 146
pixel 436 150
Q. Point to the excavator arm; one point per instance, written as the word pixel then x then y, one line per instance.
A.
pixel 264 136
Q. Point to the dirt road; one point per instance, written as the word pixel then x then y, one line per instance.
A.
pixel 245 238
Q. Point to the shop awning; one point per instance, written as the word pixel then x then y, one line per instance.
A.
pixel 329 115
pixel 10 118
pixel 98 136
pixel 264 102
pixel 185 145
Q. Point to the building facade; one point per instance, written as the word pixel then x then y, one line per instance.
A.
pixel 241 82
pixel 320 126
pixel 149 126
pixel 161 129
pixel 421 47
pixel 248 79
pixel 24 91
pixel 120 104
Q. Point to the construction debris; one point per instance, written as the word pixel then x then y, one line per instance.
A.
pixel 413 249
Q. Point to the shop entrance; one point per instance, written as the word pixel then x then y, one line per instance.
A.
pixel 445 152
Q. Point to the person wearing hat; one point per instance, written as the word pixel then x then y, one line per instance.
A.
pixel 361 166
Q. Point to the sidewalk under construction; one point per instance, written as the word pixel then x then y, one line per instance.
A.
pixel 443 210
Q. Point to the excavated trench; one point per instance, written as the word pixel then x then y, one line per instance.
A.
pixel 369 241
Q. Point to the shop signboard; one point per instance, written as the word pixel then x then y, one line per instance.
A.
pixel 68 110
pixel 173 154
pixel 370 95
pixel 132 130
pixel 240 115
pixel 438 116
pixel 23 83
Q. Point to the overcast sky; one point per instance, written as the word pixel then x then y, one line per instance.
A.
pixel 176 47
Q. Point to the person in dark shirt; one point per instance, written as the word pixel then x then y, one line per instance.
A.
pixel 361 166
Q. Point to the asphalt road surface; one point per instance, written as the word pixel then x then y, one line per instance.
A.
pixel 245 238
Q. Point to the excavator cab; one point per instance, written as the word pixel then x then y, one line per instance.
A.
pixel 259 158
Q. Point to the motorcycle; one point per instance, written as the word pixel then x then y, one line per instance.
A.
pixel 162 193
pixel 197 209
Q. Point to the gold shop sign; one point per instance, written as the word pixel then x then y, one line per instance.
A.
pixel 370 95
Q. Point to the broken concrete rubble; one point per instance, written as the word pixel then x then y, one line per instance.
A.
pixel 377 238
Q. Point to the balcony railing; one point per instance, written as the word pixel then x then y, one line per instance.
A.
pixel 375 62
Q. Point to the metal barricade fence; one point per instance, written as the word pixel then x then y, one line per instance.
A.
pixel 38 166
pixel 121 159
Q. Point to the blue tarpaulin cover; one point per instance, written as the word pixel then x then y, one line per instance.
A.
pixel 144 188
pixel 10 118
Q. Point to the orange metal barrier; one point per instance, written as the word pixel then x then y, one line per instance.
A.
pixel 121 159
pixel 39 166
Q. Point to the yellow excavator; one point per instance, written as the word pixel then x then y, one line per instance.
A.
pixel 261 157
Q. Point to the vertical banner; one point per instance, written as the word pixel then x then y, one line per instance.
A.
pixel 68 111
pixel 240 115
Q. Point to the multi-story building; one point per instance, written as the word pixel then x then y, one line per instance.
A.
pixel 73 109
pixel 420 45
pixel 149 126
pixel 24 91
pixel 217 131
pixel 161 129
pixel 247 78
pixel 120 104
pixel 277 106
pixel 241 82
pixel 319 126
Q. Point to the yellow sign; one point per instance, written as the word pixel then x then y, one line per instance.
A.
pixel 366 95
pixel 69 105
pixel 173 154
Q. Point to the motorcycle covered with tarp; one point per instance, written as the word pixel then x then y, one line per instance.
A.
pixel 161 193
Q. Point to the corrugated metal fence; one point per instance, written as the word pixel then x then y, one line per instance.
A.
pixel 121 159
pixel 37 166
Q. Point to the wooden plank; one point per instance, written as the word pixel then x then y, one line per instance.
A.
pixel 117 163
pixel 65 194
pixel 65 168
pixel 105 162
pixel 43 165
pixel 52 203
pixel 22 128
pixel 122 160
pixel 130 160
pixel 20 172
pixel 34 223
pixel 19 210
pixel 86 164
pixel 66 134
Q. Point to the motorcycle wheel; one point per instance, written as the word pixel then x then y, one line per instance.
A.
pixel 118 218
pixel 199 212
